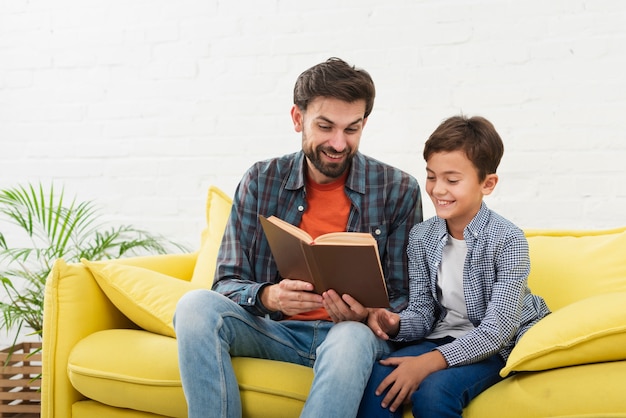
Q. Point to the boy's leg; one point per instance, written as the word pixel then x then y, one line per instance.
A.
pixel 442 394
pixel 445 393
pixel 370 404
pixel 342 367
pixel 211 328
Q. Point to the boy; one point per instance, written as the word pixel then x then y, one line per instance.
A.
pixel 469 301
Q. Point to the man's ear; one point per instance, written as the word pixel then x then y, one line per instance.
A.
pixel 297 116
pixel 489 183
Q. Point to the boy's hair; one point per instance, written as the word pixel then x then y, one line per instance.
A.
pixel 336 79
pixel 475 136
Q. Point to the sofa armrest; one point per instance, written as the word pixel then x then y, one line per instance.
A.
pixel 75 307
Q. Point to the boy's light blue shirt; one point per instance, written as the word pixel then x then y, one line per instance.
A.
pixel 495 285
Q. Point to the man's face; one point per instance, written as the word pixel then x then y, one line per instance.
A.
pixel 331 132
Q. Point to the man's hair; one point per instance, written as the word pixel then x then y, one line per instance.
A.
pixel 336 79
pixel 475 136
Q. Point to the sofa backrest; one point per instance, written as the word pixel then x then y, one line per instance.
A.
pixel 567 266
pixel 218 207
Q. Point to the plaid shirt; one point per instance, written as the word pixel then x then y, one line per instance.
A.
pixel 386 202
pixel 495 285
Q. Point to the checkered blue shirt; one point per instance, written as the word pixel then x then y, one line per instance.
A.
pixel 386 202
pixel 499 302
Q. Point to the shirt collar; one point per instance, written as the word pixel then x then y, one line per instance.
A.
pixel 472 230
pixel 476 225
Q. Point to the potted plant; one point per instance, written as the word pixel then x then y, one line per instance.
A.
pixel 47 226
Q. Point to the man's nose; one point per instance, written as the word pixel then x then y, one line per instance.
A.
pixel 338 141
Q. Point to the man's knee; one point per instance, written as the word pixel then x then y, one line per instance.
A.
pixel 351 332
pixel 351 338
pixel 196 309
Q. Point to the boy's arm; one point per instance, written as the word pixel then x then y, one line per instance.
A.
pixel 417 320
pixel 383 323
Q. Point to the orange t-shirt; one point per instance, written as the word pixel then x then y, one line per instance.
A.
pixel 328 208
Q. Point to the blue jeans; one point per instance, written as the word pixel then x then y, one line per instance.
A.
pixel 211 328
pixel 440 395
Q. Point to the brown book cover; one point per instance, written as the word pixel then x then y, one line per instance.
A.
pixel 347 262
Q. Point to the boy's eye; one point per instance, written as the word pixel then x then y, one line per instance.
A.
pixel 452 181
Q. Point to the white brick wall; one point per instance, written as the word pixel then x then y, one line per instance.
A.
pixel 142 104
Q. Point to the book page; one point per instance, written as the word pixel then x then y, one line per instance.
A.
pixel 340 238
pixel 292 229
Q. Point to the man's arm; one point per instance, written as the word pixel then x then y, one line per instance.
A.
pixel 236 276
pixel 246 272
pixel 406 214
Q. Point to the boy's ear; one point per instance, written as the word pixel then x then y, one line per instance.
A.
pixel 489 183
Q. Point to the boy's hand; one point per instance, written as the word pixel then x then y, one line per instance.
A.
pixel 343 308
pixel 383 323
pixel 407 376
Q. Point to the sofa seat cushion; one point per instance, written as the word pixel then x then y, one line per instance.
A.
pixel 93 409
pixel 590 390
pixel 129 369
pixel 137 369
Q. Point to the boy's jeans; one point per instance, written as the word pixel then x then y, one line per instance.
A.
pixel 442 394
pixel 211 328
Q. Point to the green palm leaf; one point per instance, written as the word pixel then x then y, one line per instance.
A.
pixel 49 226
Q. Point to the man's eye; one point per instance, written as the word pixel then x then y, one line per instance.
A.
pixel 351 130
pixel 324 127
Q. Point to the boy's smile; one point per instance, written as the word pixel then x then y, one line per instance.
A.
pixel 455 190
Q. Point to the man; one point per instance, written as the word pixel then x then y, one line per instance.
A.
pixel 253 312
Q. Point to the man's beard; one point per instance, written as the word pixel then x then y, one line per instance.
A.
pixel 331 170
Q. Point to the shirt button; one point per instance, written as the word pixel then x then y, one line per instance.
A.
pixel 249 300
pixel 377 231
pixel 300 208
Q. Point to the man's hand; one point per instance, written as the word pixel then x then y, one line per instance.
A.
pixel 290 297
pixel 407 376
pixel 343 308
pixel 383 323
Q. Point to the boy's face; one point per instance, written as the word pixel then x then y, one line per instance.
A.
pixel 331 132
pixel 453 186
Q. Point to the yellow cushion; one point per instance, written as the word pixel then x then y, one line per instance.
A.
pixel 217 212
pixel 138 370
pixel 129 369
pixel 591 330
pixel 89 409
pixel 567 266
pixel 146 297
pixel 589 391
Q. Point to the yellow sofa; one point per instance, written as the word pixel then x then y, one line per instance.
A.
pixel 109 348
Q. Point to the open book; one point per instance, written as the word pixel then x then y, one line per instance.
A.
pixel 347 262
